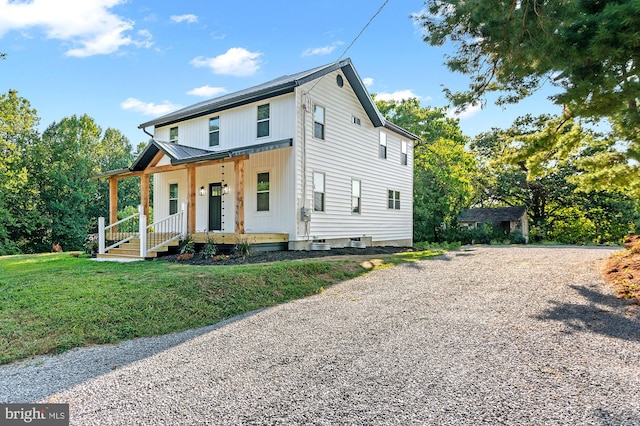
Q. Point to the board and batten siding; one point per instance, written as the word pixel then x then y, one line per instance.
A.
pixel 351 152
pixel 281 215
pixel 238 126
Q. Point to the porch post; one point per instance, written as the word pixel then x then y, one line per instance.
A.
pixel 101 236
pixel 113 201
pixel 191 200
pixel 143 234
pixel 238 168
pixel 144 193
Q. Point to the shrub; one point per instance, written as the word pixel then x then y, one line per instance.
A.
pixel 209 250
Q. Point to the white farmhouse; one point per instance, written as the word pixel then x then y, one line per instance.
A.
pixel 302 159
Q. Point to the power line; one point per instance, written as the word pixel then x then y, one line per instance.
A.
pixel 363 29
pixel 354 40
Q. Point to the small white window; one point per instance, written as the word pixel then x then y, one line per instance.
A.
pixel 173 135
pixel 214 131
pixel 394 200
pixel 173 198
pixel 318 192
pixel 403 153
pixel 356 121
pixel 264 115
pixel 383 145
pixel 356 200
pixel 263 192
pixel 318 122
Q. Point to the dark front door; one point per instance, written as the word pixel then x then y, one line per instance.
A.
pixel 215 207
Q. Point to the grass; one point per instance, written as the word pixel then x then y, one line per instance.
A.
pixel 50 303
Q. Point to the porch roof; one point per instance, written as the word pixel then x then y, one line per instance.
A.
pixel 181 154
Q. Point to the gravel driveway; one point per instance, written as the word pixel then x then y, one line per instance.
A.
pixel 506 335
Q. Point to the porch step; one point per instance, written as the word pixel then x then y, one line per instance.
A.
pixel 118 257
pixel 130 252
pixel 132 248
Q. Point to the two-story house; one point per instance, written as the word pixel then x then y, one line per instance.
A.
pixel 300 159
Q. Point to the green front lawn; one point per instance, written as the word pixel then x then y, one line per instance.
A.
pixel 50 303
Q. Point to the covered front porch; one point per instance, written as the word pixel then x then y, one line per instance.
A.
pixel 210 205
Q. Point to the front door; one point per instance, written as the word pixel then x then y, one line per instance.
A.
pixel 215 206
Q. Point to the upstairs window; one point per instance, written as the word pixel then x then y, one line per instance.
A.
pixel 214 131
pixel 263 192
pixel 383 145
pixel 355 196
pixel 403 153
pixel 394 200
pixel 173 135
pixel 173 198
pixel 318 192
pixel 264 115
pixel 318 122
pixel 355 120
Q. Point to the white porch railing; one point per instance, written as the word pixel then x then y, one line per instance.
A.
pixel 165 231
pixel 129 228
pixel 152 237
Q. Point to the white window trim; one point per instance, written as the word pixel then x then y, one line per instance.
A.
pixel 383 142
pixel 324 123
pixel 177 199
pixel 404 150
pixel 395 200
pixel 215 131
pixel 359 212
pixel 264 212
pixel 177 134
pixel 268 120
pixel 324 192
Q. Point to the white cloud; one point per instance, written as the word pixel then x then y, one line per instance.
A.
pixel 467 113
pixel 325 50
pixel 189 18
pixel 148 108
pixel 237 61
pixel 368 81
pixel 87 24
pixel 207 91
pixel 397 96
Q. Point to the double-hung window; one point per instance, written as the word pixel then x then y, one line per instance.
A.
pixel 318 192
pixel 173 198
pixel 318 122
pixel 403 153
pixel 394 200
pixel 214 131
pixel 383 145
pixel 263 192
pixel 264 115
pixel 173 135
pixel 356 200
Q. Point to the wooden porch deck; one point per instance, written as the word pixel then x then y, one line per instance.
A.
pixel 233 238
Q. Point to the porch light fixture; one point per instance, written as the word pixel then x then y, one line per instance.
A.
pixel 225 188
pixel 202 191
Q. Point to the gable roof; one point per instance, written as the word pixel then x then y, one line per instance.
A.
pixel 495 214
pixel 277 87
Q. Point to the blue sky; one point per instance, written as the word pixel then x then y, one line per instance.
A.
pixel 124 62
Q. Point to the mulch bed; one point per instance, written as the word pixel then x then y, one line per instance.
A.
pixel 276 256
pixel 622 270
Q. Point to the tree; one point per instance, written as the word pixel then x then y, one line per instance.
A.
pixel 587 49
pixel 514 170
pixel 20 218
pixel 443 169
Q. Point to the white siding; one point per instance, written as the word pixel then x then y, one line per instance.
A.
pixel 281 215
pixel 238 126
pixel 349 152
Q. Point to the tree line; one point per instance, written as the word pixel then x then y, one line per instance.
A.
pixel 47 196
